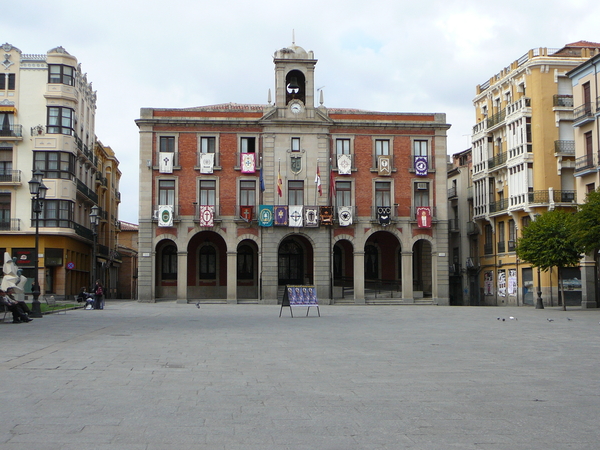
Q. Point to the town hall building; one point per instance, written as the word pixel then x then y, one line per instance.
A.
pixel 239 200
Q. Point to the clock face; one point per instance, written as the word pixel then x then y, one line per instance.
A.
pixel 296 108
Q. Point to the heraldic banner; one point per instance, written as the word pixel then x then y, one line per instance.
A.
pixel 207 215
pixel 280 216
pixel 295 215
pixel 248 163
pixel 326 215
pixel 265 218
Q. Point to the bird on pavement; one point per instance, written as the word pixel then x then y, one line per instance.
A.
pixel 550 320
pixel 198 305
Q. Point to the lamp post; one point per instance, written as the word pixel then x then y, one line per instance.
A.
pixel 94 220
pixel 539 304
pixel 38 190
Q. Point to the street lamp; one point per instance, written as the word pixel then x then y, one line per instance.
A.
pixel 94 220
pixel 38 190
pixel 539 304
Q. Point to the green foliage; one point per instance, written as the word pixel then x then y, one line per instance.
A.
pixel 549 241
pixel 587 224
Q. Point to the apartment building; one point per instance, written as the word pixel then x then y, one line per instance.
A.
pixel 47 126
pixel 586 121
pixel 239 200
pixel 524 164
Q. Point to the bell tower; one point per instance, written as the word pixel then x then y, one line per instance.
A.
pixel 294 82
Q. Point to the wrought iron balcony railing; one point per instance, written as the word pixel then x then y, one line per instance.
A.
pixel 563 101
pixel 564 147
pixel 11 131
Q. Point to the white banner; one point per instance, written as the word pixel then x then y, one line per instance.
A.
pixel 207 162
pixel 344 163
pixel 295 216
pixel 345 216
pixel 166 162
pixel 165 216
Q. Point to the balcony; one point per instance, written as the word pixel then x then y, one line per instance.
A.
pixel 472 228
pixel 488 249
pixel 499 206
pixel 10 225
pixel 521 105
pixel 216 216
pixel 564 147
pixel 501 246
pixel 10 176
pixel 453 225
pixel 81 187
pixel 496 118
pixel 586 164
pixel 497 161
pixel 562 101
pixel 583 114
pixel 452 192
pixel 11 132
pixel 512 246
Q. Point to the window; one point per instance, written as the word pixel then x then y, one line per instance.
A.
pixel 295 144
pixel 56 213
pixel 342 146
pixel 382 148
pixel 55 164
pixel 248 145
pixel 512 235
pixel 207 192
pixel 525 221
pixel 420 148
pixel 421 194
pixel 58 73
pixel 247 192
pixel 207 144
pixel 501 241
pixel 60 120
pixel 4 212
pixel 166 192
pixel 7 81
pixel 169 263
pixel 6 164
pixel 382 193
pixel 6 123
pixel 343 193
pixel 167 144
pixel 295 192
pixel 488 247
pixel 208 262
pixel 245 263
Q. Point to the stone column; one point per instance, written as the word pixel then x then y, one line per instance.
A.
pixel 182 280
pixel 407 277
pixel 359 277
pixel 231 277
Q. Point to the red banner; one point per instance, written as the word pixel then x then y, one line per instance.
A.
pixel 424 216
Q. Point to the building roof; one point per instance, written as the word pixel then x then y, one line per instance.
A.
pixel 126 226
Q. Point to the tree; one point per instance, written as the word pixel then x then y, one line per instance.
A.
pixel 587 223
pixel 549 241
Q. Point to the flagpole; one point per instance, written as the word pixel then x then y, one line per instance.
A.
pixel 316 183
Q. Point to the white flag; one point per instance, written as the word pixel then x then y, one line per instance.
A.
pixel 295 216
pixel 345 216
pixel 165 216
pixel 166 162
pixel 207 162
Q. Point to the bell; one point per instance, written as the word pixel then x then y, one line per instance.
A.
pixel 293 84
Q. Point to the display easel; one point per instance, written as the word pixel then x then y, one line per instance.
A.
pixel 300 295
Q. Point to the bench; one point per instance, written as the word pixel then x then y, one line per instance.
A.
pixel 53 305
pixel 4 309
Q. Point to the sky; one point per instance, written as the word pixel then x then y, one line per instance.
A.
pixel 381 55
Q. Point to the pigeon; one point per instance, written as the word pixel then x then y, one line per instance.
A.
pixel 569 319
pixel 513 318
pixel 198 305
pixel 550 320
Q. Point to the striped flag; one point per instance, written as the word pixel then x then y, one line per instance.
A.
pixel 318 182
pixel 279 184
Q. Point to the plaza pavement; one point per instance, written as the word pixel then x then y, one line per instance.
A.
pixel 139 376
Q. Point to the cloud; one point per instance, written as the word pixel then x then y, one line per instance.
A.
pixel 388 55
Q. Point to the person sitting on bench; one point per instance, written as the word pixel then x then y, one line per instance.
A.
pixel 18 315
